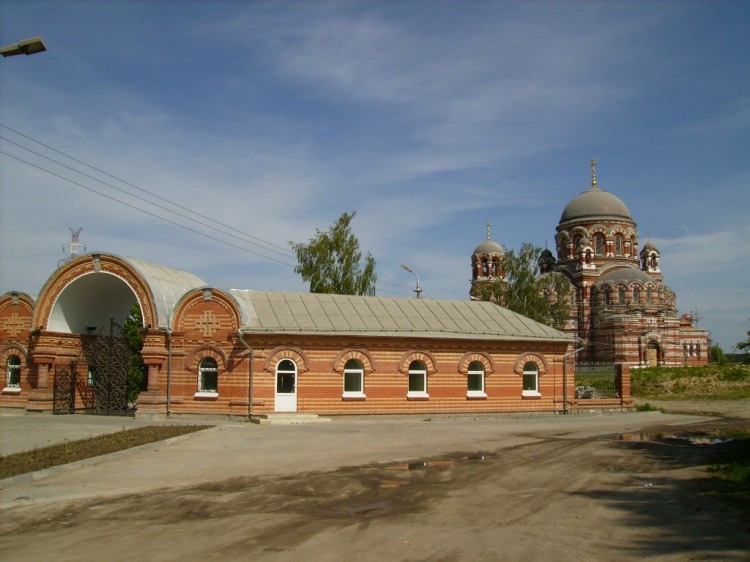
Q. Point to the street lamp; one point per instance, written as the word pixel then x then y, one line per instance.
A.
pixel 25 47
pixel 418 290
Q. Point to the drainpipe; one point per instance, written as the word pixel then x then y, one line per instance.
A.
pixel 250 375
pixel 169 370
pixel 565 373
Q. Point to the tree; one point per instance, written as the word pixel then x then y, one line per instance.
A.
pixel 330 261
pixel 716 355
pixel 542 298
pixel 744 347
pixel 136 376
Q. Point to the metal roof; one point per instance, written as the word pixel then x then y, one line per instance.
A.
pixel 323 314
pixel 167 286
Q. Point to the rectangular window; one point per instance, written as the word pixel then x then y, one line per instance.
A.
pixel 529 382
pixel 353 381
pixel 475 382
pixel 417 382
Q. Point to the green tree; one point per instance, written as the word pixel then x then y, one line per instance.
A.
pixel 542 298
pixel 330 261
pixel 716 355
pixel 744 347
pixel 132 331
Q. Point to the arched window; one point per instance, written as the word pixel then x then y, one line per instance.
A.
pixel 636 294
pixel 599 244
pixel 607 296
pixel 417 380
pixel 618 245
pixel 485 268
pixel 621 295
pixel 530 379
pixel 354 379
pixel 649 294
pixel 475 380
pixel 13 375
pixel 208 376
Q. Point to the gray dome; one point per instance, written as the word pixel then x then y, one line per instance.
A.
pixel 626 276
pixel 595 204
pixel 489 247
pixel 649 247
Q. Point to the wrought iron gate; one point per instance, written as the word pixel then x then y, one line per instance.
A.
pixel 595 381
pixel 99 377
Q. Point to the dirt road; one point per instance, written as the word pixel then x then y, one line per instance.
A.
pixel 554 490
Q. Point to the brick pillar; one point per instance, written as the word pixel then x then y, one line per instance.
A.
pixel 623 384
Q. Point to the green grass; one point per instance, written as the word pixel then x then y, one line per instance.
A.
pixel 733 463
pixel 71 451
pixel 716 382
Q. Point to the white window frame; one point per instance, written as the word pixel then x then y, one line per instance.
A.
pixel 473 371
pixel 529 372
pixel 9 369
pixel 423 373
pixel 203 393
pixel 359 370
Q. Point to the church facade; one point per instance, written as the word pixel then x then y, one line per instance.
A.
pixel 621 308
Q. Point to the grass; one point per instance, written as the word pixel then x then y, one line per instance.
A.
pixel 71 451
pixel 715 382
pixel 733 463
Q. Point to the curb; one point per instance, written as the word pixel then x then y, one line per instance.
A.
pixel 53 470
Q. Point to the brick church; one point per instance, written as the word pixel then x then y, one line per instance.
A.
pixel 620 305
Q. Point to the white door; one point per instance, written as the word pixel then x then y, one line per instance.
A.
pixel 286 386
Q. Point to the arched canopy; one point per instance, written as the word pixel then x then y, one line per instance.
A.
pixel 89 291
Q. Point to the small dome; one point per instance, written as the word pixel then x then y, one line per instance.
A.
pixel 583 242
pixel 624 275
pixel 489 247
pixel 595 204
pixel 649 247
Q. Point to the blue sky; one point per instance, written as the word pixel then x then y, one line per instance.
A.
pixel 427 118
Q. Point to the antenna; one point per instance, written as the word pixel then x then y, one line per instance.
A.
pixel 73 247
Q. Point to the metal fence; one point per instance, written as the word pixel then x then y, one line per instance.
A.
pixel 595 381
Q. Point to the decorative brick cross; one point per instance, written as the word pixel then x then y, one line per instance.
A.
pixel 207 324
pixel 14 324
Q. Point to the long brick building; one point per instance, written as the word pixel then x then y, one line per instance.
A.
pixel 242 352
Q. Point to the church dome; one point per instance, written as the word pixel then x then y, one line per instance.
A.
pixel 595 204
pixel 489 247
pixel 624 275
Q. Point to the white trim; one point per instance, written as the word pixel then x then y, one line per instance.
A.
pixel 205 394
pixel 12 390
pixel 353 395
pixel 417 394
pixel 476 394
pixel 531 393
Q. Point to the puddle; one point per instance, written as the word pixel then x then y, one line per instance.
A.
pixel 694 439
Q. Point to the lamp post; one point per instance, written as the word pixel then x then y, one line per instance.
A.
pixel 26 47
pixel 418 290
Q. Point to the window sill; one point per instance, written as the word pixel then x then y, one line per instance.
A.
pixel 353 396
pixel 417 396
pixel 12 390
pixel 206 395
pixel 531 394
pixel 476 395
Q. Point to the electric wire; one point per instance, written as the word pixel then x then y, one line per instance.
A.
pixel 284 252
pixel 154 215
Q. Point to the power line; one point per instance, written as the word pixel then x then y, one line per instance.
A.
pixel 280 249
pixel 144 210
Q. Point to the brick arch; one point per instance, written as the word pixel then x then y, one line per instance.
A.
pixel 358 354
pixel 424 356
pixel 199 297
pixel 524 358
pixel 94 263
pixel 471 356
pixel 280 353
pixel 194 359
